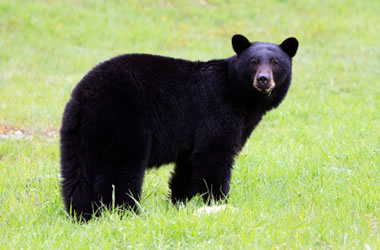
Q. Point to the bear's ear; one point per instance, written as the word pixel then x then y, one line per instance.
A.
pixel 240 43
pixel 290 46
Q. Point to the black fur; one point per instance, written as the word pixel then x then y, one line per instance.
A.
pixel 137 111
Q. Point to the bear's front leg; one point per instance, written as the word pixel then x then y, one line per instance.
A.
pixel 180 182
pixel 206 173
pixel 211 175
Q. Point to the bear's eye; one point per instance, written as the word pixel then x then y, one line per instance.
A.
pixel 274 62
pixel 255 61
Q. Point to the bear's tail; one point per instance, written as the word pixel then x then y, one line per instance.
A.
pixel 78 194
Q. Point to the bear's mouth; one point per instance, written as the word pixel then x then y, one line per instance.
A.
pixel 267 91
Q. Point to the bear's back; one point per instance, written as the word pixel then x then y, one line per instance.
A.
pixel 136 73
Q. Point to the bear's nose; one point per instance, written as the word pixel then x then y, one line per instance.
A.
pixel 263 80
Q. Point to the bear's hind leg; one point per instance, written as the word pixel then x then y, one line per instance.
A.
pixel 119 176
pixel 119 188
pixel 119 144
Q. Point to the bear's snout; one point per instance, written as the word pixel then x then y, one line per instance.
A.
pixel 263 81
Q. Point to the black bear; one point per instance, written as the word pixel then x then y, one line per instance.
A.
pixel 138 111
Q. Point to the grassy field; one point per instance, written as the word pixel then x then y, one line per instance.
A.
pixel 308 177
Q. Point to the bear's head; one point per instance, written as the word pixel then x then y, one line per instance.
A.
pixel 262 66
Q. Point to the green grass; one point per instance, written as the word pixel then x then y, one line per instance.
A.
pixel 308 177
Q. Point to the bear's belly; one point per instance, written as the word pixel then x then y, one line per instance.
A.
pixel 166 147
